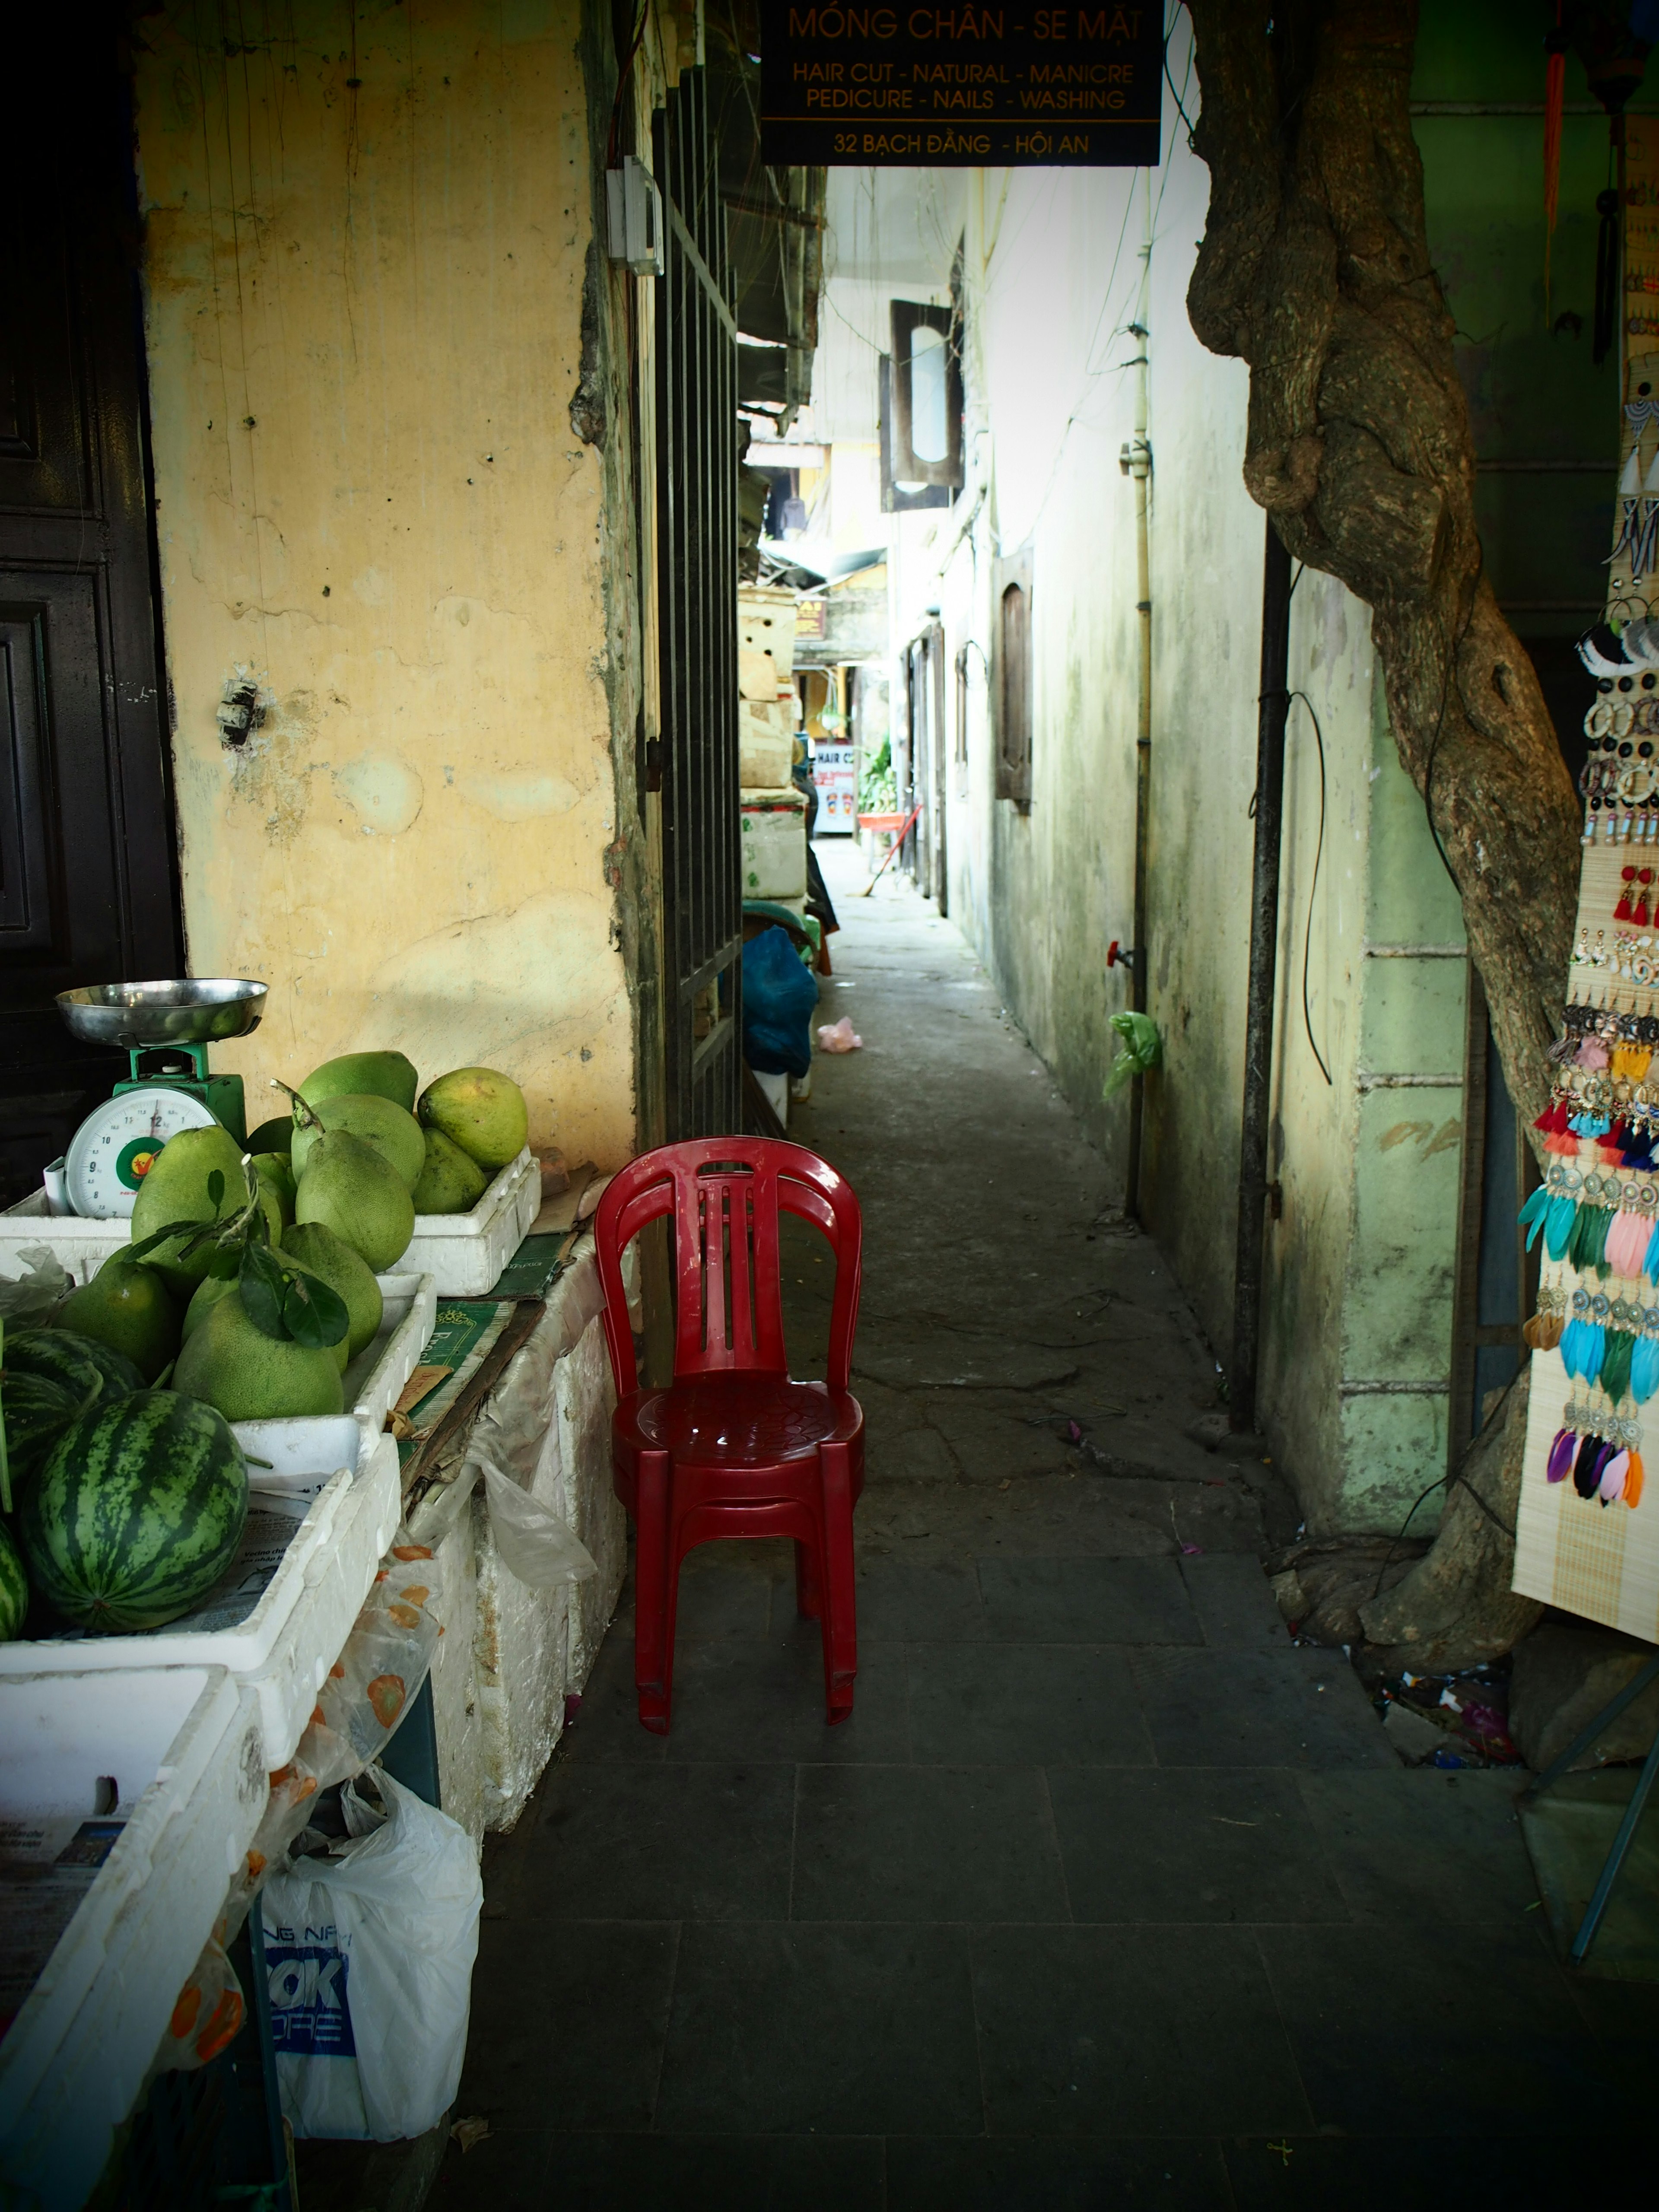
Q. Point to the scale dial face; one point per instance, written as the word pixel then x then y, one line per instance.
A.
pixel 115 1147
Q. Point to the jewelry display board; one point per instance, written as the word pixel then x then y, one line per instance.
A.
pixel 1587 1530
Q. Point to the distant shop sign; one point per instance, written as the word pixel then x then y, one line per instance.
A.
pixel 962 87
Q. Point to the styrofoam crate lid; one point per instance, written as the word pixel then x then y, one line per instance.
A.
pixel 181 1745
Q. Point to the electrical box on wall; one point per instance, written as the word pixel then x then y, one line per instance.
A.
pixel 634 206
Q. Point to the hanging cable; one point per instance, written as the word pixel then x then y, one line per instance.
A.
pixel 1313 888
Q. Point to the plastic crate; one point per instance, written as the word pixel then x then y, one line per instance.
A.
pixel 182 1745
pixel 374 1380
pixel 81 1246
pixel 297 1594
pixel 464 1253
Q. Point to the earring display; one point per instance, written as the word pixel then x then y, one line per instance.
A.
pixel 1585 1539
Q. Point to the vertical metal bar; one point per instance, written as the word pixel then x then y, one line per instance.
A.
pixel 1272 708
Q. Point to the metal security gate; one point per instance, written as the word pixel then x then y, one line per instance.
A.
pixel 697 602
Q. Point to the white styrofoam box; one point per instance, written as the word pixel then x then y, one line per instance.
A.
pixel 774 844
pixel 376 1378
pixel 287 1640
pixel 766 744
pixel 182 1744
pixel 81 1246
pixel 410 1296
pixel 464 1253
pixel 766 623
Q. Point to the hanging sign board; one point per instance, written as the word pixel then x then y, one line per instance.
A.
pixel 962 87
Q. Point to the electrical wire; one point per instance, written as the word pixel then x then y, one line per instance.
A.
pixel 1313 887
pixel 623 75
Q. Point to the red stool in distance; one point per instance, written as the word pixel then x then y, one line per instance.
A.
pixel 732 1447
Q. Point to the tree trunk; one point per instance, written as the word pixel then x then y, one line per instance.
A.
pixel 1455 1607
pixel 1315 269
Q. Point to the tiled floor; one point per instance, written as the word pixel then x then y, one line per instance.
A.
pixel 1105 1896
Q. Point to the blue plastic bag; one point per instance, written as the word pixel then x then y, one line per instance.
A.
pixel 779 996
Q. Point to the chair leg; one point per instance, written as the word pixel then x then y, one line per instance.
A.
pixel 653 1630
pixel 809 1591
pixel 841 1647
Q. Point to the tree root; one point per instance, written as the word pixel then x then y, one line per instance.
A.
pixel 1455 1607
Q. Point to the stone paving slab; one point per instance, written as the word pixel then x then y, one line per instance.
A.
pixel 1106 1895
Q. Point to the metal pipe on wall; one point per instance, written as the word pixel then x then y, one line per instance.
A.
pixel 1272 709
pixel 1137 462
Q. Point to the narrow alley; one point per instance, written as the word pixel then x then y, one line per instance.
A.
pixel 1106 1894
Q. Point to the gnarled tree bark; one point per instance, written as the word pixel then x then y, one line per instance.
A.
pixel 1315 269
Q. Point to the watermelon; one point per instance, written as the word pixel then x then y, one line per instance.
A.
pixel 137 1513
pixel 36 1414
pixel 74 1361
pixel 14 1588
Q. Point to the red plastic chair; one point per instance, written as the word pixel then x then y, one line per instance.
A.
pixel 732 1447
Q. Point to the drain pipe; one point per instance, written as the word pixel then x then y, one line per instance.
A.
pixel 1135 459
pixel 1272 708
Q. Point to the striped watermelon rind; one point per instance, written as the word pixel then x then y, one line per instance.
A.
pixel 36 1414
pixel 14 1588
pixel 74 1362
pixel 137 1513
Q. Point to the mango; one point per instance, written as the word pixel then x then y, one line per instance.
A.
pixel 385 1074
pixel 450 1182
pixel 479 1109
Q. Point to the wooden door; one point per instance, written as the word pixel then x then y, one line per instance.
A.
pixel 88 891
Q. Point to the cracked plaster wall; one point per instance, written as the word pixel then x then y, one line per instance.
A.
pixel 365 241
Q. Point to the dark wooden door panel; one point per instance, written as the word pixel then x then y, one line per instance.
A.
pixel 87 881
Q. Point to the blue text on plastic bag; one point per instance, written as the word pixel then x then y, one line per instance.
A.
pixel 779 996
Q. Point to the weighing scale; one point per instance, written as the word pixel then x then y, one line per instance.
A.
pixel 166 1029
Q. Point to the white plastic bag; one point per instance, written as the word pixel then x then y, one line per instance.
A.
pixel 535 1545
pixel 26 1300
pixel 369 1955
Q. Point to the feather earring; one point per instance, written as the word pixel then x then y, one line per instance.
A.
pixel 1561 1456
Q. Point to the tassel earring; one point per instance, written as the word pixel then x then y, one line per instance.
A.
pixel 1623 911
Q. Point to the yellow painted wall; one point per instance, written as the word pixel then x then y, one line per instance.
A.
pixel 365 244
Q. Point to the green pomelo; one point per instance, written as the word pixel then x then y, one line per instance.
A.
pixel 76 1364
pixel 36 1413
pixel 321 1252
pixel 481 1111
pixel 176 1189
pixel 393 1132
pixel 355 1191
pixel 450 1182
pixel 277 1175
pixel 129 1307
pixel 137 1513
pixel 274 1136
pixel 385 1074
pixel 250 1376
pixel 207 1293
pixel 14 1588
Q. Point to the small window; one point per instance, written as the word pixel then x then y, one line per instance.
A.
pixel 1011 687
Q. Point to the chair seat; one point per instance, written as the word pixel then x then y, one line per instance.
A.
pixel 743 1420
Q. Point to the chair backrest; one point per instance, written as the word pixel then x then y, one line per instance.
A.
pixel 725 1195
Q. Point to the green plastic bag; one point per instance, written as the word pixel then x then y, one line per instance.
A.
pixel 1143 1049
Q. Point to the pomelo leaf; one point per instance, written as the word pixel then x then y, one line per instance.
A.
pixel 316 1314
pixel 260 1280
